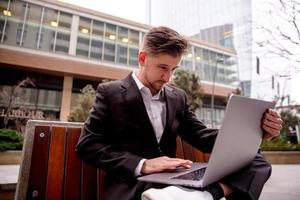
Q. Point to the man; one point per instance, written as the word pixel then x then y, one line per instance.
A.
pixel 133 125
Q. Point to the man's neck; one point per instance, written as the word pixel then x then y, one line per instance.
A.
pixel 145 83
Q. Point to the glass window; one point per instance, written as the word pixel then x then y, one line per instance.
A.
pixel 187 61
pixel 83 40
pixel 4 13
pixel 230 70
pixel 31 31
pixel 63 33
pixel 133 44
pixel 15 17
pixel 213 66
pixel 220 68
pixel 122 43
pixel 110 43
pixel 97 40
pixel 198 62
pixel 5 92
pixel 49 100
pixel 49 27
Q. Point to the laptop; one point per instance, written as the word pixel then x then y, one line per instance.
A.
pixel 236 145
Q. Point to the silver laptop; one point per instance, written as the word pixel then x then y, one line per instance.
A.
pixel 236 146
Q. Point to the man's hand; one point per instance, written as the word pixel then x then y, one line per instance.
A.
pixel 271 124
pixel 164 163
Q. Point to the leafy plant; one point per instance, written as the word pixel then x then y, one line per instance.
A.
pixel 289 120
pixel 190 83
pixel 10 140
pixel 13 97
pixel 279 145
pixel 86 99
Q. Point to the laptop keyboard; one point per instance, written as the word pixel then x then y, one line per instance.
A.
pixel 195 175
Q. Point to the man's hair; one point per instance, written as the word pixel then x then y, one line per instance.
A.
pixel 164 40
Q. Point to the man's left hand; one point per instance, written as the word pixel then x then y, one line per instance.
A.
pixel 271 124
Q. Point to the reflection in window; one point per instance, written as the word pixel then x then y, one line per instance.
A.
pixel 63 33
pixel 110 43
pixel 49 25
pixel 83 40
pixel 122 45
pixel 4 14
pixel 198 62
pixel 187 61
pixel 32 98
pixel 97 40
pixel 14 25
pixel 38 27
pixel 31 31
pixel 49 100
pixel 133 44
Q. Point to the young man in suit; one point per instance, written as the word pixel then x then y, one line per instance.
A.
pixel 133 124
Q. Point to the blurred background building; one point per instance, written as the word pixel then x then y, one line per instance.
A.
pixel 62 48
pixel 224 23
pixel 231 24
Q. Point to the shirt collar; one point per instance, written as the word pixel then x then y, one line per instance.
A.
pixel 142 87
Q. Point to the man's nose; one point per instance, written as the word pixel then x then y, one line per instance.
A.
pixel 167 76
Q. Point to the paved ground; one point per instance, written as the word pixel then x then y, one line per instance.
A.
pixel 284 183
pixel 8 176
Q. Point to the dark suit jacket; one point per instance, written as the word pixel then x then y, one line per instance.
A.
pixel 118 134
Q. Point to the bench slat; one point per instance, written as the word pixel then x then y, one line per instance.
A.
pixel 72 167
pixel 56 164
pixel 88 182
pixel 199 157
pixel 179 148
pixel 55 172
pixel 101 180
pixel 206 156
pixel 188 151
pixel 39 163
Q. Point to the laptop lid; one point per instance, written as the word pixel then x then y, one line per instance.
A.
pixel 236 145
pixel 238 139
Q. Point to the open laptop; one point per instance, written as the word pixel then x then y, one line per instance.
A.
pixel 236 146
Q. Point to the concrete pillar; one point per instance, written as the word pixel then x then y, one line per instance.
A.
pixel 74 35
pixel 66 98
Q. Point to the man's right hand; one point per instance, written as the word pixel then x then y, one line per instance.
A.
pixel 164 163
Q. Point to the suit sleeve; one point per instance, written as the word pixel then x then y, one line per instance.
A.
pixel 96 145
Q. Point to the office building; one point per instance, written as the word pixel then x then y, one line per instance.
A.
pixel 62 48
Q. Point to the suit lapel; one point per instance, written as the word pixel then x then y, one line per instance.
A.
pixel 171 101
pixel 135 104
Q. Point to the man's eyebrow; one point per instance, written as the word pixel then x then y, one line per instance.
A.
pixel 162 64
pixel 165 65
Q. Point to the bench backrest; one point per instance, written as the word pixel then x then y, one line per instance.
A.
pixel 50 168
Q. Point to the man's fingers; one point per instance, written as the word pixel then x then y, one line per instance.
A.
pixel 271 132
pixel 273 118
pixel 164 163
pixel 273 125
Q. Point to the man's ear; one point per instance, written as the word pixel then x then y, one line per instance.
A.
pixel 142 57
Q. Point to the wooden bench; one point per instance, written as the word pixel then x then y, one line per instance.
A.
pixel 50 168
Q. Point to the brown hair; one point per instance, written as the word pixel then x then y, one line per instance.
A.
pixel 164 40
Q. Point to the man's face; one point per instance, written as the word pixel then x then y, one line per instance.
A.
pixel 157 70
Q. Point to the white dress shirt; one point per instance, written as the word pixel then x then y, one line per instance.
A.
pixel 156 110
pixel 155 106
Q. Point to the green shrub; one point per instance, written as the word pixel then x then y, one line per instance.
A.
pixel 10 140
pixel 279 145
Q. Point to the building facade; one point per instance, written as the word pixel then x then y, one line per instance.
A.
pixel 59 48
pixel 226 23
